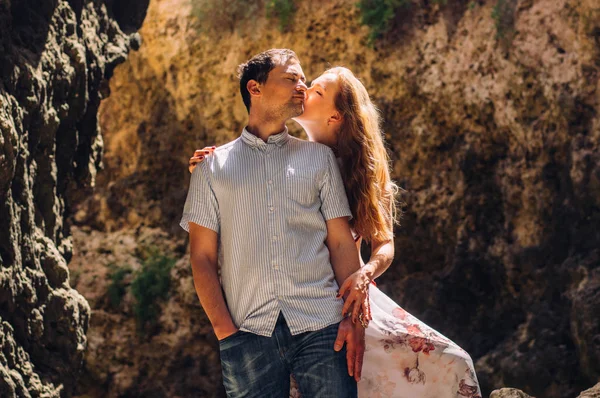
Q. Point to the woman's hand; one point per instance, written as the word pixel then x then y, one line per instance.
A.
pixel 199 156
pixel 356 286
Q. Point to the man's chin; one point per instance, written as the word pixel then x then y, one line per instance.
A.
pixel 298 110
pixel 295 110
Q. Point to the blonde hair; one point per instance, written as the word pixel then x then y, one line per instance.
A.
pixel 365 161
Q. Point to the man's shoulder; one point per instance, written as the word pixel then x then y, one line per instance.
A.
pixel 222 151
pixel 225 148
pixel 214 162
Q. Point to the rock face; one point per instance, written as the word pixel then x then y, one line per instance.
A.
pixel 179 357
pixel 56 57
pixel 509 393
pixel 593 392
pixel 491 114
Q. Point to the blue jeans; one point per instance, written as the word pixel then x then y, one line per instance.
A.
pixel 258 366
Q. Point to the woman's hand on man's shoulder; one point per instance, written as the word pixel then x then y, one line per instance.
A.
pixel 198 157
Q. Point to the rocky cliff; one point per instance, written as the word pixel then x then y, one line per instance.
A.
pixel 491 115
pixel 56 58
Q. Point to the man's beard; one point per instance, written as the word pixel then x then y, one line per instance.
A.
pixel 296 108
pixel 288 111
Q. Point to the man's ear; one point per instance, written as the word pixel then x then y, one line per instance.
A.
pixel 253 87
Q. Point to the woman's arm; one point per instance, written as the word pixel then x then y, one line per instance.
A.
pixel 382 254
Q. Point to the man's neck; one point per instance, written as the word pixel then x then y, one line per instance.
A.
pixel 262 128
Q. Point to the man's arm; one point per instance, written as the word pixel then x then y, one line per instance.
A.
pixel 342 249
pixel 344 260
pixel 203 249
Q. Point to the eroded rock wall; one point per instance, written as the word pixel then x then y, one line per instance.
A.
pixel 56 57
pixel 493 127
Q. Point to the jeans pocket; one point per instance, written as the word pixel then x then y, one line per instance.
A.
pixel 224 343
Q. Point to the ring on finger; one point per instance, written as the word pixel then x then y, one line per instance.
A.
pixel 363 323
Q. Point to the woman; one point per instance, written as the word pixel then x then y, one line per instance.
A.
pixel 403 356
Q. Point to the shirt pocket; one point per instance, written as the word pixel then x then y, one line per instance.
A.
pixel 301 186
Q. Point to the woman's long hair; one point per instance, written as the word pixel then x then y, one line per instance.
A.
pixel 365 162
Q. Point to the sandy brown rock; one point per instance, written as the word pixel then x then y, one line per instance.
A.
pixel 495 139
pixel 56 59
pixel 593 392
pixel 178 357
pixel 509 393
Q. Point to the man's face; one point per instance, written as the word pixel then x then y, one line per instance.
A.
pixel 284 92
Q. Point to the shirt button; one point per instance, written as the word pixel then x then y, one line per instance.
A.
pixel 270 182
pixel 271 209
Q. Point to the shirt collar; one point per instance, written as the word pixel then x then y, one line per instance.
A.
pixel 278 139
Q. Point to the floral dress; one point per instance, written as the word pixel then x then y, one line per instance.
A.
pixel 405 358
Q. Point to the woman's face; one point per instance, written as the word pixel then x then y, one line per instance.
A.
pixel 319 107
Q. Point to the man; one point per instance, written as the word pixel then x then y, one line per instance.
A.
pixel 271 211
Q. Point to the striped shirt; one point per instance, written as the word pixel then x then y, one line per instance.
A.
pixel 269 203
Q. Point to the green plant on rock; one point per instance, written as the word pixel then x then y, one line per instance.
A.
pixel 150 286
pixel 218 15
pixel 282 10
pixel 117 289
pixel 378 14
pixel 503 15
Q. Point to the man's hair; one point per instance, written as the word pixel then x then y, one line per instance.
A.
pixel 258 68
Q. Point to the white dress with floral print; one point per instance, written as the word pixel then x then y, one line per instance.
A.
pixel 405 358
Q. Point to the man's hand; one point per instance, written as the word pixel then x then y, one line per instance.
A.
pixel 353 335
pixel 224 333
pixel 203 256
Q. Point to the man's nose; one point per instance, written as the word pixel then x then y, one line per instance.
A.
pixel 301 86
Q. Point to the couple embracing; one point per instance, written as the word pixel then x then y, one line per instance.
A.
pixel 275 226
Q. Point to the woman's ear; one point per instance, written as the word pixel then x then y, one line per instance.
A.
pixel 253 87
pixel 336 117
